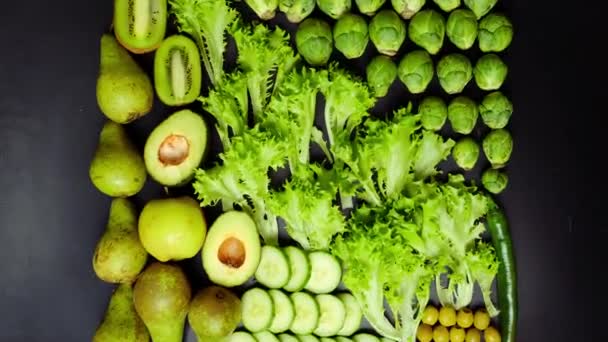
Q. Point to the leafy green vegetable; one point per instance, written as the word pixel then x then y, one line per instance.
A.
pixel 296 10
pixel 483 264
pixel 229 105
pixel 265 9
pixel 455 72
pixel 433 113
pixel 306 205
pixel 334 8
pixel 462 28
pixel 466 153
pixel 480 7
pixel 448 5
pixel 262 54
pixel 242 178
pixel 291 113
pixel 490 72
pixel 496 110
pixel 206 21
pixel 494 180
pixel 498 146
pixel 463 114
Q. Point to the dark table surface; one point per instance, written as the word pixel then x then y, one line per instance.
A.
pixel 51 216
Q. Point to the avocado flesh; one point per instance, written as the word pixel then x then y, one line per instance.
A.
pixel 176 148
pixel 119 255
pixel 121 322
pixel 231 252
pixel 117 168
pixel 214 312
pixel 161 297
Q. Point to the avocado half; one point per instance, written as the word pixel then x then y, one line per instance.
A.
pixel 176 147
pixel 231 252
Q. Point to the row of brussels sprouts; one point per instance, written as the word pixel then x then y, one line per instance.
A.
pixel 454 71
pixel 427 29
pixel 298 10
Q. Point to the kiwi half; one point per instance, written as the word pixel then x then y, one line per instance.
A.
pixel 140 25
pixel 177 71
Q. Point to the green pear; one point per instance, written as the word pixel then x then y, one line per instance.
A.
pixel 121 322
pixel 119 255
pixel 172 228
pixel 214 313
pixel 161 296
pixel 117 169
pixel 124 90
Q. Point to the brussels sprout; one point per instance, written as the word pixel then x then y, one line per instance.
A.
pixel 416 71
pixel 433 113
pixel 350 35
pixel 466 153
pixel 448 5
pixel 387 32
pixel 480 7
pixel 296 10
pixel 314 41
pixel 369 7
pixel 427 29
pixel 455 72
pixel 462 113
pixel 407 8
pixel 497 146
pixel 381 73
pixel 461 28
pixel 265 9
pixel 495 110
pixel 495 33
pixel 334 8
pixel 495 181
pixel 490 72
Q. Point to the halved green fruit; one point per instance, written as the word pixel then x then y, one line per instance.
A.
pixel 175 148
pixel 140 25
pixel 177 71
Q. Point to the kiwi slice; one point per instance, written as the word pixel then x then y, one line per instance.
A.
pixel 177 71
pixel 140 25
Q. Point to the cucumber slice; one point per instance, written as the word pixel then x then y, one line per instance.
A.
pixel 241 336
pixel 307 313
pixel 354 315
pixel 288 338
pixel 266 336
pixel 308 338
pixel 299 268
pixel 326 273
pixel 332 315
pixel 283 312
pixel 257 310
pixel 365 337
pixel 342 339
pixel 273 270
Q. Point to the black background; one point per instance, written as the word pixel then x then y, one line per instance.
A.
pixel 51 216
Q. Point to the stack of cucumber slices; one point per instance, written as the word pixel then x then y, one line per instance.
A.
pixel 296 299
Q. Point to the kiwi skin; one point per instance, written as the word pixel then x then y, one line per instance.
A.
pixel 122 29
pixel 162 64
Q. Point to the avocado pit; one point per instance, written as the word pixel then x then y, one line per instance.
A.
pixel 173 150
pixel 232 252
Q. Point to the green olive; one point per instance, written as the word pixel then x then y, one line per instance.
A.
pixel 457 334
pixel 441 334
pixel 424 333
pixel 473 335
pixel 481 320
pixel 447 316
pixel 491 335
pixel 464 318
pixel 430 315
